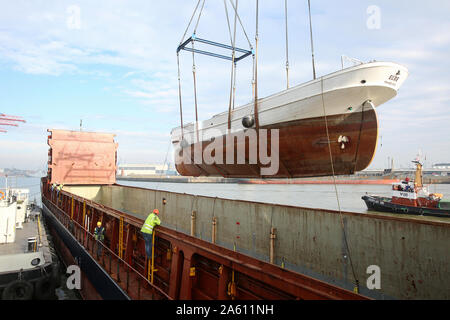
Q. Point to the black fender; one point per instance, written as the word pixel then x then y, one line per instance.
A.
pixel 18 290
pixel 44 288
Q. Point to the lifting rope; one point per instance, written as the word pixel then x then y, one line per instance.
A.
pixel 190 21
pixel 233 58
pixel 178 64
pixel 240 22
pixel 356 288
pixel 256 73
pixel 234 45
pixel 195 93
pixel 194 72
pixel 199 15
pixel 311 35
pixel 162 171
pixel 179 96
pixel 193 67
pixel 250 110
pixel 151 268
pixel 287 48
pixel 233 64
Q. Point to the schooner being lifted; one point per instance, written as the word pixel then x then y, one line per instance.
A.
pixel 327 126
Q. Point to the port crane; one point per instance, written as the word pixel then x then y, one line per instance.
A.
pixel 9 120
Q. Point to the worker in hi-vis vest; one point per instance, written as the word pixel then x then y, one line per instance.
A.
pixel 99 236
pixel 147 231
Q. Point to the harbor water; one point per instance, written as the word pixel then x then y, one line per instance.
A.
pixel 307 195
pixel 318 196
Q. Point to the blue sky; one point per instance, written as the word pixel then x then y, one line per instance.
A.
pixel 115 68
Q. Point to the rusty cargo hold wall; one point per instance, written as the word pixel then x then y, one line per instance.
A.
pixel 78 157
pixel 412 253
pixel 185 267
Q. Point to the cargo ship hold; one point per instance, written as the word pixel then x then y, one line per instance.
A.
pixel 220 249
pixel 184 266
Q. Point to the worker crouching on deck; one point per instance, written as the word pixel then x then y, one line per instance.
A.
pixel 99 235
pixel 147 231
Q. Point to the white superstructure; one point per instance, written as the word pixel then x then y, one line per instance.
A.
pixel 21 235
pixel 7 221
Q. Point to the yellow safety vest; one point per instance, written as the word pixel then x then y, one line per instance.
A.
pixel 150 222
pixel 99 233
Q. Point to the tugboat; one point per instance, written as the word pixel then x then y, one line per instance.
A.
pixel 410 198
pixel 29 268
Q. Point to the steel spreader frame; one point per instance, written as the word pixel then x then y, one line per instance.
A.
pixel 245 53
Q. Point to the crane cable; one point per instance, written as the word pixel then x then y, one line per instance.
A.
pixel 234 44
pixel 195 92
pixel 233 63
pixel 242 26
pixel 179 76
pixel 228 22
pixel 255 94
pixel 179 96
pixel 287 48
pixel 160 177
pixel 356 288
pixel 199 15
pixel 190 21
pixel 311 36
pixel 194 72
pixel 249 43
pixel 233 75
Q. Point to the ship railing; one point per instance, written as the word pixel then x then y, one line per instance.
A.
pixel 354 61
pixel 88 241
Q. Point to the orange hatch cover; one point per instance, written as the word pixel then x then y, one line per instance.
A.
pixel 77 157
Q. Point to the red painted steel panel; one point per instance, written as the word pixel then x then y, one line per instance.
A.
pixel 78 157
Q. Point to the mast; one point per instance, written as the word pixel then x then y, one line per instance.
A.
pixel 418 177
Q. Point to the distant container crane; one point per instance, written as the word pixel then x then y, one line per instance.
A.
pixel 8 120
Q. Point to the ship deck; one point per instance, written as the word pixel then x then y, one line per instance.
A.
pixel 20 245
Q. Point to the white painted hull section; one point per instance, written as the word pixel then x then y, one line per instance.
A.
pixel 344 91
